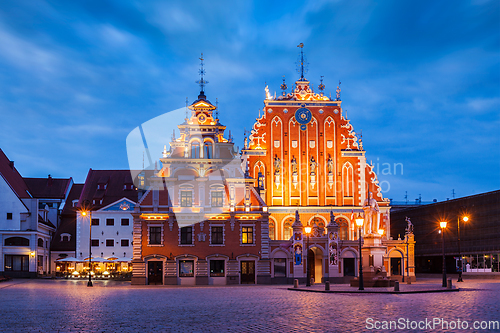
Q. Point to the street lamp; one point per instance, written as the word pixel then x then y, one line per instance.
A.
pixel 84 213
pixel 359 223
pixel 460 266
pixel 306 257
pixel 443 226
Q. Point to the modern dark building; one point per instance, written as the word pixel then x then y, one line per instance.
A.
pixel 479 235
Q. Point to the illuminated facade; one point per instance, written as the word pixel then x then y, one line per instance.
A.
pixel 306 157
pixel 201 220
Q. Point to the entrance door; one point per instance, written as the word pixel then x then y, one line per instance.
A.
pixel 155 269
pixel 349 267
pixel 395 266
pixel 248 272
pixel 310 264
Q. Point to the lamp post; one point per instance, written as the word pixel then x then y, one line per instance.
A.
pixel 359 223
pixel 443 226
pixel 84 213
pixel 460 266
pixel 306 257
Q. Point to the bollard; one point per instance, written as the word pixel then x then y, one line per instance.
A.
pixel 396 286
pixel 312 281
pixel 327 285
pixel 296 283
pixel 449 286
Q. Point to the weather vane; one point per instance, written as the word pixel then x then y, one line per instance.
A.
pixel 321 86
pixel 202 73
pixel 302 62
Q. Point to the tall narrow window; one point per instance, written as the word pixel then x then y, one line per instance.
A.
pixel 186 199
pixel 208 149
pixel 217 198
pixel 347 180
pixel 287 228
pixel 217 235
pixel 195 149
pixel 343 228
pixel 187 235
pixel 272 230
pixel 247 235
pixel 154 235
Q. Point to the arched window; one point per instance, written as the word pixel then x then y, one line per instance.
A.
pixel 40 242
pixel 195 149
pixel 347 180
pixel 208 153
pixel 287 228
pixel 272 230
pixel 343 228
pixel 17 241
pixel 319 222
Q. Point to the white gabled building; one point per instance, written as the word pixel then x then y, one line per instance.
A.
pixel 109 197
pixel 25 230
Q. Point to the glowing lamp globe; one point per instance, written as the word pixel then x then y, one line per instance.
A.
pixel 443 224
pixel 307 230
pixel 359 221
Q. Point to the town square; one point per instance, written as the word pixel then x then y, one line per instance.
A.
pixel 69 306
pixel 317 166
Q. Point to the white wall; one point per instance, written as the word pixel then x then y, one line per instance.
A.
pixel 102 232
pixel 10 203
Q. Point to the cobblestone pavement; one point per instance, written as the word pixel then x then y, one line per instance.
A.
pixel 69 306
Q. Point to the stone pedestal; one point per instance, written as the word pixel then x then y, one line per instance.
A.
pixel 374 274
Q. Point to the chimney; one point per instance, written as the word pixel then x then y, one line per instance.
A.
pixel 49 181
pixel 11 164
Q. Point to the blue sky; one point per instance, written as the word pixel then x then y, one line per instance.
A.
pixel 421 79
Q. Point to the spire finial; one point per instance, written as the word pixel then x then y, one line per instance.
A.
pixel 187 108
pixel 301 63
pixel 284 86
pixel 216 108
pixel 202 81
pixel 321 86
pixel 338 91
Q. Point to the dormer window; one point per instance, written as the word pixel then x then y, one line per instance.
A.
pixel 65 237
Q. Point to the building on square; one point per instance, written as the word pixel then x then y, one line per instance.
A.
pixel 474 219
pixel 200 220
pixel 107 201
pixel 311 170
pixel 25 230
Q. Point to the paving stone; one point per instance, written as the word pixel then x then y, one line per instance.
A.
pixel 70 306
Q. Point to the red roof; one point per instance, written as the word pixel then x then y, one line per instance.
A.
pixel 12 177
pixel 103 187
pixel 48 188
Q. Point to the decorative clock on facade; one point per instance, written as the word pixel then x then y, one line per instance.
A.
pixel 303 116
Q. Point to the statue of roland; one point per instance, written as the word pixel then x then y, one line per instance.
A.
pixel 372 215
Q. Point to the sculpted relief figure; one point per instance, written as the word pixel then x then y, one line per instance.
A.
pixel 329 164
pixel 277 165
pixel 294 165
pixel 312 164
pixel 372 214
